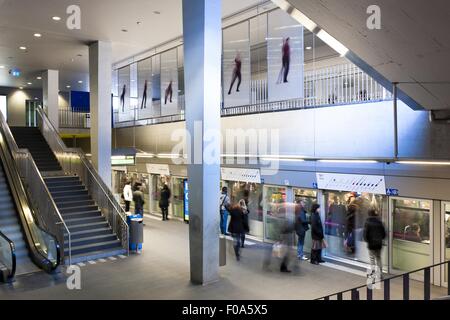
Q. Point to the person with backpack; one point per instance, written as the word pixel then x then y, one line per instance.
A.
pixel 224 201
pixel 374 234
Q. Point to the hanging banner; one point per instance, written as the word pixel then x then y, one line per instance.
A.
pixel 144 70
pixel 241 175
pixel 236 65
pixel 351 182
pixel 285 57
pixel 169 83
pixel 125 113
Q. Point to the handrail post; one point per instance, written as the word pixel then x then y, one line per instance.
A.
pixel 369 293
pixel 427 284
pixel 406 286
pixel 448 278
pixel 339 296
pixel 355 294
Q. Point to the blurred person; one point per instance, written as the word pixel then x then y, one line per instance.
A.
pixel 236 228
pixel 316 235
pixel 164 201
pixel 349 235
pixel 413 233
pixel 127 195
pixel 243 203
pixel 287 242
pixel 374 234
pixel 138 198
pixel 223 209
pixel 301 226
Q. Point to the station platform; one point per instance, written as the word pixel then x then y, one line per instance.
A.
pixel 161 271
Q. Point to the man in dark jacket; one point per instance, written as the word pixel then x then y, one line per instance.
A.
pixel 301 226
pixel 317 235
pixel 138 198
pixel 164 202
pixel 236 228
pixel 374 234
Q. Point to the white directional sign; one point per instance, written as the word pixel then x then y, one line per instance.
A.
pixel 351 182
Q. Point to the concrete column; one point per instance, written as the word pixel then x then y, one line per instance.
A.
pixel 50 92
pixel 202 32
pixel 100 64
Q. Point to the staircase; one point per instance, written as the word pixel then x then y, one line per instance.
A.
pixel 91 235
pixel 32 139
pixel 11 227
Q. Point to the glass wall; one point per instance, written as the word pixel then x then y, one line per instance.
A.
pixel 345 216
pixel 274 206
pixel 237 192
pixel 411 248
pixel 446 206
pixel 308 197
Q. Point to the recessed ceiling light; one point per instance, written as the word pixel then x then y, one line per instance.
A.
pixel 23 48
pixel 39 78
pixel 56 18
pixel 35 98
pixel 308 48
pixel 80 81
pixel 2 67
pixel 38 35
pixel 29 83
pixel 67 86
pixel 21 88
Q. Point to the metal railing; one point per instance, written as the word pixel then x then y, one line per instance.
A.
pixel 7 258
pixel 386 284
pixel 42 222
pixel 341 84
pixel 74 162
pixel 71 119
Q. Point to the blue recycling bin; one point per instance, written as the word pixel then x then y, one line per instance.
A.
pixel 136 226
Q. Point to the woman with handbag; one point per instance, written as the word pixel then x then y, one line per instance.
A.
pixel 317 235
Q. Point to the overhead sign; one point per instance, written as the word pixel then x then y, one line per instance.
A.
pixel 122 160
pixel 242 175
pixel 161 169
pixel 351 182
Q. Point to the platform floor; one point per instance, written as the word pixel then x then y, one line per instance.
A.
pixel 162 272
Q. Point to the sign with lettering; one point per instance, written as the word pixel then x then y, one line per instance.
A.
pixel 242 175
pixel 351 182
pixel 161 169
pixel 391 192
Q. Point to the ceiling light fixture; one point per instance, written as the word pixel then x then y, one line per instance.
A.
pixel 431 163
pixel 80 81
pixel 39 78
pixel 23 48
pixel 21 88
pixel 56 18
pixel 308 48
pixel 2 67
pixel 346 161
pixel 29 83
pixel 67 87
pixel 38 35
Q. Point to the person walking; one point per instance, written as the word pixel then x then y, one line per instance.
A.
pixel 144 96
pixel 374 234
pixel 164 201
pixel 224 207
pixel 245 212
pixel 236 73
pixel 301 226
pixel 138 198
pixel 127 195
pixel 316 235
pixel 287 241
pixel 236 228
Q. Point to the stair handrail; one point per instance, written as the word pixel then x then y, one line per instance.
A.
pixel 12 249
pixel 386 281
pixel 74 161
pixel 37 228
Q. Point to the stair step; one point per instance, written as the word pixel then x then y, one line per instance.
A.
pixel 65 188
pixel 88 226
pixel 95 247
pixel 92 239
pixel 60 194
pixel 71 198
pixel 75 204
pixel 81 214
pixel 83 220
pixel 88 233
pixel 78 209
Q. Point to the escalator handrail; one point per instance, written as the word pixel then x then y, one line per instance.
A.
pixel 12 247
pixel 20 197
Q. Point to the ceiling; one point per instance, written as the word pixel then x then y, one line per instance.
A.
pixel 67 51
pixel 412 47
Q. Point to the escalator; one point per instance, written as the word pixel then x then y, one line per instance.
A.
pixel 24 246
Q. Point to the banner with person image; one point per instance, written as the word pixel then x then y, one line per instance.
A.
pixel 236 65
pixel 169 83
pixel 285 57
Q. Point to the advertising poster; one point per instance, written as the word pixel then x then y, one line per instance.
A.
pixel 145 89
pixel 124 94
pixel 285 57
pixel 169 83
pixel 236 65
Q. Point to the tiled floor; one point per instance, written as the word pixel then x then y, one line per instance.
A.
pixel 162 272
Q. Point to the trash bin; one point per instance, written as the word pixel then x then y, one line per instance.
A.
pixel 222 251
pixel 136 225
